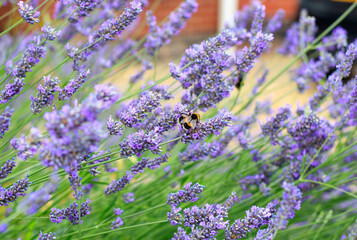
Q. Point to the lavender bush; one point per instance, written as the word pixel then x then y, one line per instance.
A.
pixel 88 152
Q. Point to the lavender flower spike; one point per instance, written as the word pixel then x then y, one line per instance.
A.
pixel 11 89
pixel 256 217
pixel 17 190
pixel 28 13
pixel 186 195
pixel 5 119
pixel 7 168
pixel 291 201
pixel 46 94
pixel 248 56
pixel 27 146
pixel 118 221
pixel 46 236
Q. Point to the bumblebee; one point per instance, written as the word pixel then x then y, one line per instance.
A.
pixel 189 121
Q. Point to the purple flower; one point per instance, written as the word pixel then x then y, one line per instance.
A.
pixel 34 200
pixel 310 133
pixel 7 168
pixel 70 213
pixel 118 221
pixel 352 113
pixel 248 56
pixel 189 194
pixel 274 125
pixel 33 52
pixel 206 63
pixel 3 227
pixel 46 94
pixel 107 94
pixel 255 218
pixel 291 201
pixel 259 15
pixel 336 40
pixel 203 130
pixel 275 22
pixel 28 13
pixel 299 35
pixel 12 89
pixel 118 185
pixel 17 190
pixel 84 8
pixel 199 151
pixel 112 27
pixel 128 197
pixel 5 121
pixel 114 127
pixel 118 211
pixel 139 109
pixel 137 143
pixel 50 33
pixel 27 146
pixel 180 235
pixel 343 69
pixel 46 236
pixel 177 20
pixel 73 85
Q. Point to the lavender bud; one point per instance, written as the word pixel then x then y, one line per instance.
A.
pixel 17 190
pixel 128 197
pixel 12 89
pixel 46 236
pixel 28 13
pixel 46 94
pixel 7 168
pixel 5 121
pixel 50 33
pixel 186 195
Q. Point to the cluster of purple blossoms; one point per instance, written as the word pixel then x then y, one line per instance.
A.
pixel 74 85
pixel 128 197
pixel 189 194
pixel 343 68
pixel 27 147
pixel 290 202
pixel 201 68
pixel 45 95
pixel 37 199
pixel 352 114
pixel 299 35
pixel 139 109
pixel 46 236
pixel 310 133
pixel 177 20
pixel 203 130
pixel 275 124
pixel 260 180
pixel 199 151
pixel 28 13
pixel 140 141
pixel 70 213
pixel 258 19
pixel 118 221
pixel 255 218
pixel 112 27
pixel 248 56
pixel 84 8
pixel 18 189
pixel 7 168
pixel 117 185
pixel 275 22
pixel 12 89
pixel 5 121
pixel 33 52
pixel 50 33
pixel 205 222
pixel 106 32
pixel 114 127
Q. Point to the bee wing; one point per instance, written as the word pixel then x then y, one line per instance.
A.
pixel 193 123
pixel 183 118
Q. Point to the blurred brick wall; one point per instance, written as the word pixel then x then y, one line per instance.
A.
pixel 205 20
